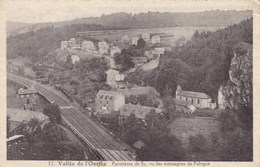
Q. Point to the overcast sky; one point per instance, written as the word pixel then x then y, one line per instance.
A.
pixel 58 10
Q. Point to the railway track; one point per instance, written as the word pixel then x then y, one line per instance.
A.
pixel 94 136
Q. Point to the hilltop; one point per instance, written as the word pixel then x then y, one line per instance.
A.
pixel 144 20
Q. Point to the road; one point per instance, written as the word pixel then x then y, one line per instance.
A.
pixel 94 136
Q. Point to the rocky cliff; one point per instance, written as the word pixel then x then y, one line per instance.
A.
pixel 239 89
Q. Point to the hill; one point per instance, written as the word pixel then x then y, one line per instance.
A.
pixel 202 64
pixel 151 20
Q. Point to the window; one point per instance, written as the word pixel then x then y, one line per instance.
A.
pixel 198 101
pixel 192 101
pixel 180 97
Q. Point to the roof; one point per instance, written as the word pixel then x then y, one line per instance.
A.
pixel 138 90
pixel 140 58
pixel 22 91
pixel 112 71
pixel 20 115
pixel 180 102
pixel 109 93
pixel 139 144
pixel 139 111
pixel 198 95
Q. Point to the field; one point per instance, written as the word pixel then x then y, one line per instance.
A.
pixel 115 36
pixel 183 128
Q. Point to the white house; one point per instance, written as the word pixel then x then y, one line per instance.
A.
pixel 156 39
pixel 134 40
pixel 103 47
pixel 75 58
pixel 113 77
pixel 114 50
pixel 197 99
pixel 146 37
pixel 88 46
pixel 64 44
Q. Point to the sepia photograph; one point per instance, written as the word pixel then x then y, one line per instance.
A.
pixel 121 81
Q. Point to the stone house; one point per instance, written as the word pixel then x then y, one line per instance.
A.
pixel 113 76
pixel 88 46
pixel 108 102
pixel 138 61
pixel 146 37
pixel 103 47
pixel 114 50
pixel 156 39
pixel 197 99
pixel 135 40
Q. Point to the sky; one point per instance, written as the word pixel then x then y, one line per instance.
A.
pixel 30 11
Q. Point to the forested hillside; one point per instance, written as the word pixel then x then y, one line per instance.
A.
pixel 152 20
pixel 37 44
pixel 201 64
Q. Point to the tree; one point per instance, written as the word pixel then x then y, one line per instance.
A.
pixel 53 112
pixel 141 43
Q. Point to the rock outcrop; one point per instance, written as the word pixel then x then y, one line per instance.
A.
pixel 239 89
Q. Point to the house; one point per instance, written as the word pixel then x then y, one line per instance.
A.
pixel 125 39
pixel 114 50
pixel 138 61
pixel 146 37
pixel 64 44
pixel 135 40
pixel 149 54
pixel 17 116
pixel 197 99
pixel 113 76
pixel 88 46
pixel 109 102
pixel 156 39
pixel 139 111
pixel 75 58
pixel 183 106
pixel 29 96
pixel 26 92
pixel 103 47
pixel 159 50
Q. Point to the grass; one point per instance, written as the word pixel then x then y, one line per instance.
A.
pixel 183 128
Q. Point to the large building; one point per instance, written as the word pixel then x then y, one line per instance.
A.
pixel 197 99
pixel 113 77
pixel 109 102
pixel 103 47
pixel 88 46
